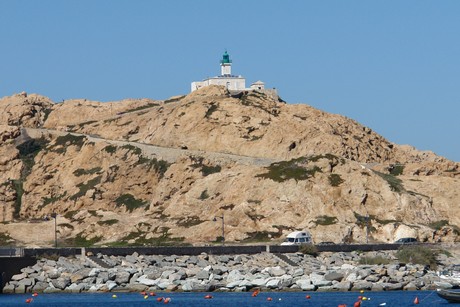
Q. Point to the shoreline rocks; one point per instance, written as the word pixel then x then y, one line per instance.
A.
pixel 265 271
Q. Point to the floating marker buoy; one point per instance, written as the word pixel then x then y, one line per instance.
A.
pixel 167 300
pixel 279 299
pixel 364 298
pixel 342 305
pixel 208 296
pixel 29 300
pixel 35 294
pixel 362 291
pixel 357 304
pixel 360 298
pixel 159 299
pixel 146 297
pixel 307 296
pixel 383 304
pixel 269 299
pixel 416 300
pixel 255 293
pixel 152 294
pixel 114 296
pixel 143 293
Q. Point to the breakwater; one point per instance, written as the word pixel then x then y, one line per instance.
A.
pixel 342 271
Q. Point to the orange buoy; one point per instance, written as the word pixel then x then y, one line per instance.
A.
pixel 35 294
pixel 160 299
pixel 360 298
pixel 29 300
pixel 255 293
pixel 167 300
pixel 357 304
pixel 269 299
pixel 342 305
pixel 308 297
pixel 143 293
pixel 208 296
pixel 416 300
pixel 152 294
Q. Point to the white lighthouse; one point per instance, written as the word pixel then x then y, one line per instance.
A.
pixel 226 65
pixel 234 83
pixel 231 82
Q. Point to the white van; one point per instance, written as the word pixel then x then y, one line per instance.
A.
pixel 297 238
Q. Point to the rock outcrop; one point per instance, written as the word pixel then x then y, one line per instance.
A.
pixel 149 172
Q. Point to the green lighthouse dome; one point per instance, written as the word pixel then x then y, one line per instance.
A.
pixel 226 59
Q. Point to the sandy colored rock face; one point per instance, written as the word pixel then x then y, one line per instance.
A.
pixel 149 172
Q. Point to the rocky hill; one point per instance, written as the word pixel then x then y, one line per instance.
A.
pixel 142 171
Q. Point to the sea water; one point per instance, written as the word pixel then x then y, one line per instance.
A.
pixel 240 299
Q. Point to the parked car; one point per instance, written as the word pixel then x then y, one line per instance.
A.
pixel 406 240
pixel 298 238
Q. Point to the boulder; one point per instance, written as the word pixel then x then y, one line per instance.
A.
pixel 122 277
pixel 333 276
pixel 361 285
pixel 19 276
pixel 75 288
pixel 61 282
pixel 234 275
pixel 273 283
pixel 147 281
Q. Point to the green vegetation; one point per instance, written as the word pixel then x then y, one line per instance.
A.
pixel 27 153
pixel 130 202
pixel 46 112
pixel 285 170
pixel 18 187
pixel 5 239
pixel 377 260
pixel 69 214
pixel 108 222
pixel 397 170
pixel 84 187
pixel 189 221
pixel 67 140
pixel 110 149
pixel 208 170
pixel 79 172
pixel 259 236
pixel 204 195
pixel 395 183
pixel 135 150
pixel 438 224
pixel 308 249
pixel 52 199
pixel 138 238
pixel 160 166
pixel 325 220
pixel 80 241
pixel 418 255
pixel 198 162
pixel 363 221
pixel 335 180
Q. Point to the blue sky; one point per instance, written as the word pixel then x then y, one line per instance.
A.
pixel 391 65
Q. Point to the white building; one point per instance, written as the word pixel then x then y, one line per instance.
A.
pixel 231 82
